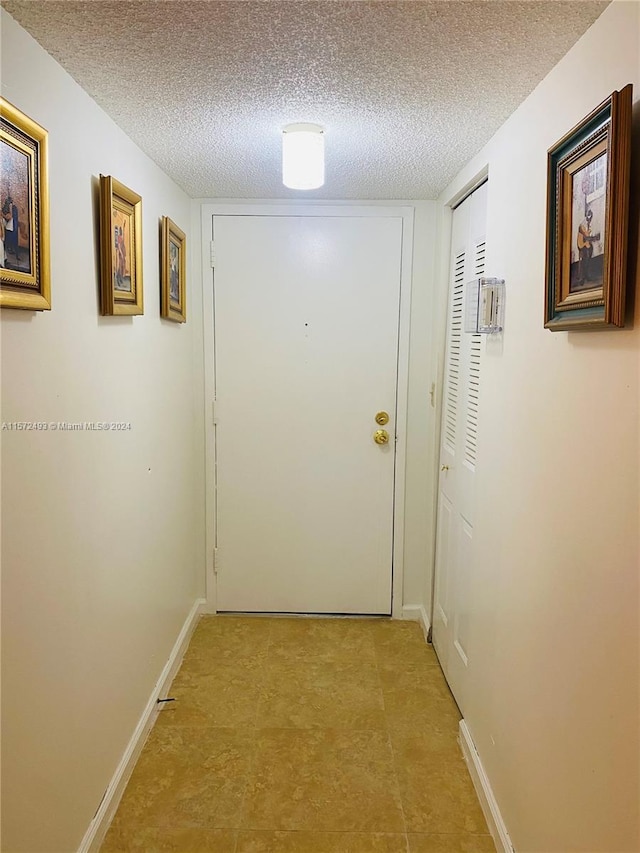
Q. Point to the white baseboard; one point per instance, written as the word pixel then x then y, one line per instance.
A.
pixel 98 827
pixel 484 791
pixel 417 613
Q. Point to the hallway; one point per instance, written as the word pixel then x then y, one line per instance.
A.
pixel 299 735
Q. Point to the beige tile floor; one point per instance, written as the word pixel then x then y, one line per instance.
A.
pixel 303 736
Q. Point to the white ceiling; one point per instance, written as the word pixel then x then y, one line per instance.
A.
pixel 407 91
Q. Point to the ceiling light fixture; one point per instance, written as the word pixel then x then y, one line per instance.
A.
pixel 302 156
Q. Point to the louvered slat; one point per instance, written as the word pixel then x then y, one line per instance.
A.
pixel 479 254
pixel 473 386
pixel 453 354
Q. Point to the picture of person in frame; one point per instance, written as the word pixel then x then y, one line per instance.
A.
pixel 588 226
pixel 121 252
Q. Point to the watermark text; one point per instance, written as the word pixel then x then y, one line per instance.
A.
pixel 66 426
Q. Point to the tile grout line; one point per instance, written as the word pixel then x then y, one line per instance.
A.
pixel 254 753
pixel 447 832
pixel 393 760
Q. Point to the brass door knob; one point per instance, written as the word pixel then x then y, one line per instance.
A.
pixel 382 418
pixel 444 468
pixel 381 436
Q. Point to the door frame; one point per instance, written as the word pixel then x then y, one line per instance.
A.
pixel 311 208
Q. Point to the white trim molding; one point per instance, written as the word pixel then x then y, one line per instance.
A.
pixel 481 783
pixel 94 836
pixel 417 613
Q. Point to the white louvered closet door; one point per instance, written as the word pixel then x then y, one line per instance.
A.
pixel 459 448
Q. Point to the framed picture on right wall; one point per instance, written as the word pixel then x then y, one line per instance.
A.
pixel 587 220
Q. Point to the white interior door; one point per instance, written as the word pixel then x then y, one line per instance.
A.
pixel 458 451
pixel 306 354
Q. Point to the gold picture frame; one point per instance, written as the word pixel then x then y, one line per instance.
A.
pixel 25 276
pixel 120 249
pixel 587 220
pixel 173 284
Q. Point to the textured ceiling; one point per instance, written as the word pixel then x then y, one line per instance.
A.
pixel 407 91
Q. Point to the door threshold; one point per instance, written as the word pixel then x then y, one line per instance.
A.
pixel 287 615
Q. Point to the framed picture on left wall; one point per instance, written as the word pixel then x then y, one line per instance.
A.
pixel 24 212
pixel 173 285
pixel 120 249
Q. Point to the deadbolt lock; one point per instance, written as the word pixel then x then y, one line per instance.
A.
pixel 381 436
pixel 382 418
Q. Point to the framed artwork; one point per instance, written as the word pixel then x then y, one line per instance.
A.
pixel 587 220
pixel 120 248
pixel 173 286
pixel 24 217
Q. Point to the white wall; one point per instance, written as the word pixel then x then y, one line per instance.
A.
pixel 554 634
pixel 421 416
pixel 102 532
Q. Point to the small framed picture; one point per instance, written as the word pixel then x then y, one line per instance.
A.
pixel 173 286
pixel 120 248
pixel 587 220
pixel 24 217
